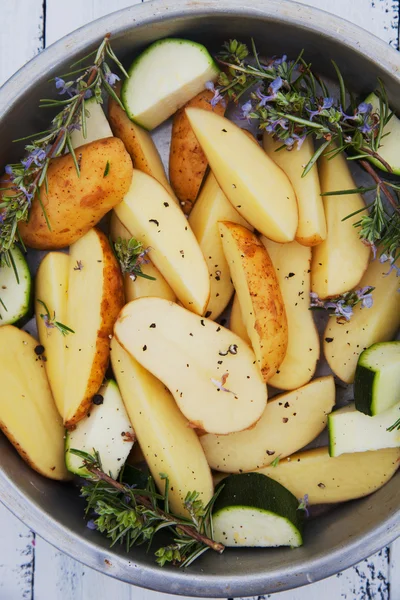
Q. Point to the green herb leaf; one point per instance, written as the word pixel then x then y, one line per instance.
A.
pixel 107 169
pixel 51 322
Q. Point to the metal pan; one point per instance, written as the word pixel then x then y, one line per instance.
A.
pixel 338 538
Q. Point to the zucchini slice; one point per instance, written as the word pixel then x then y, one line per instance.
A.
pixel 163 78
pixel 377 380
pixel 390 144
pixel 352 431
pixel 97 126
pixel 253 510
pixel 15 294
pixel 106 429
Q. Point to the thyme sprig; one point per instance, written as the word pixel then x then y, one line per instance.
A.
pixel 395 425
pixel 25 179
pixel 131 256
pixel 132 516
pixel 291 102
pixel 51 321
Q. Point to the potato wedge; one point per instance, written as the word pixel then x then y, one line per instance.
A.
pixel 289 422
pixel 187 161
pixel 258 189
pixel 213 206
pixel 339 262
pixel 76 204
pixel 311 229
pixel 236 323
pixel 292 267
pixel 141 287
pixel 28 414
pixel 52 289
pixel 209 370
pixel 344 342
pixel 326 480
pixel 95 297
pixel 150 216
pixel 168 443
pixel 259 296
pixel 139 144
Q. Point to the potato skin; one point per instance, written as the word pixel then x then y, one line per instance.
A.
pixel 187 161
pixel 112 301
pixel 76 204
pixel 267 306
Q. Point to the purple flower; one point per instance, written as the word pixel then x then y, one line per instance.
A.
pixel 385 258
pixel 9 170
pixel 326 104
pixel 111 79
pixel 27 194
pixel 304 504
pixel 247 109
pixel 273 90
pixel 65 88
pixel 367 301
pixel 88 94
pixel 289 142
pixel 91 525
pixel 37 156
pixel 217 96
pixel 365 127
pixel 280 61
pixel 364 108
pixel 300 139
pixel 274 124
pixel 343 311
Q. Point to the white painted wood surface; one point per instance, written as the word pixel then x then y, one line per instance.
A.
pixel 29 567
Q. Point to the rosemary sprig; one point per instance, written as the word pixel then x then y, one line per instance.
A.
pixel 133 516
pixel 342 306
pixel 51 322
pixel 291 102
pixel 25 178
pixel 131 256
pixel 395 425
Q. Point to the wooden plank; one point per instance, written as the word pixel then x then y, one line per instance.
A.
pixel 62 18
pixel 17 556
pixel 21 34
pixel 380 17
pixel 394 570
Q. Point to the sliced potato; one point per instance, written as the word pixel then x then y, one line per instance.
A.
pixel 97 126
pixel 292 267
pixel 311 229
pixel 52 289
pixel 141 286
pixel 259 296
pixel 75 204
pixel 28 414
pixel 139 144
pixel 150 216
pixel 209 370
pixel 289 422
pixel 236 323
pixel 339 262
pixel 95 297
pixel 326 480
pixel 252 182
pixel 213 206
pixel 187 161
pixel 168 443
pixel 344 342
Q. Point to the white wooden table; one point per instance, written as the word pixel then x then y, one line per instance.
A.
pixel 30 568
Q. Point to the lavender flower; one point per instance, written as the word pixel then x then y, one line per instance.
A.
pixel 283 123
pixel 91 525
pixel 246 109
pixel 9 170
pixel 273 90
pixel 111 79
pixel 37 156
pixel 364 108
pixel 217 94
pixel 342 306
pixel 327 103
pixel 304 504
pixel 64 88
